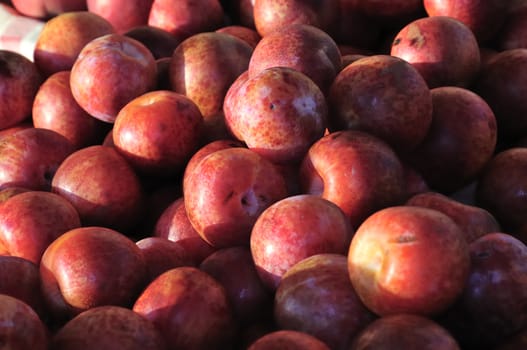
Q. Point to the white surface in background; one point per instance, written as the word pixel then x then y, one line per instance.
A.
pixel 18 33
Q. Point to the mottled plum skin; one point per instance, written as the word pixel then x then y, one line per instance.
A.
pixel 30 221
pixel 190 309
pixel 301 47
pixel 441 48
pixel 492 307
pixel 185 18
pixel 234 268
pixel 501 84
pixel 108 327
pixel 161 254
pixel 20 326
pixel 316 296
pixel 393 261
pixel 109 72
pixel 54 108
pixel 160 42
pixel 278 113
pixel 293 229
pixel 20 278
pixel 484 18
pixel 19 82
pixel 501 189
pixel 88 267
pixel 247 34
pixel 122 14
pixel 25 124
pixel 203 67
pixel 63 37
pixel 44 9
pixel 385 96
pixel 287 339
pixel 404 331
pixel 355 170
pixel 271 15
pixel 102 186
pixel 461 140
pixel 29 158
pixel 474 221
pixel 209 148
pixel 173 224
pixel 158 132
pixel 226 192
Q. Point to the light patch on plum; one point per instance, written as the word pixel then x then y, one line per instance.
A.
pixel 126 138
pixel 269 250
pixel 265 91
pixel 305 105
pixel 520 193
pixel 368 257
pixel 131 50
pixel 251 202
pixel 416 37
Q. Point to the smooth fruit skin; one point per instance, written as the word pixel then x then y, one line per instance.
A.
pixel 302 47
pixel 208 148
pixel 20 278
pixel 44 9
pixel 484 18
pixel 158 132
pixel 122 14
pixel 185 18
pixel 492 307
pixel 30 221
pixel 404 331
pixel 287 340
pixel 441 48
pixel 316 296
pixel 102 186
pixel 227 191
pixel 19 82
pixel 293 229
pixel 272 15
pixel 106 328
pixel 247 34
pixel 161 254
pixel 355 170
pixel 63 37
pixel 460 142
pixel 190 309
pixel 501 187
pixel 278 113
pixel 385 96
pixel 203 66
pixel 173 224
pixel 101 89
pixel 160 42
pixel 474 221
pixel 234 268
pixel 54 108
pixel 501 84
pixel 30 157
pixel 406 259
pixel 88 267
pixel 20 326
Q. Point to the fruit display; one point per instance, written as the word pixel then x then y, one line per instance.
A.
pixel 263 174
